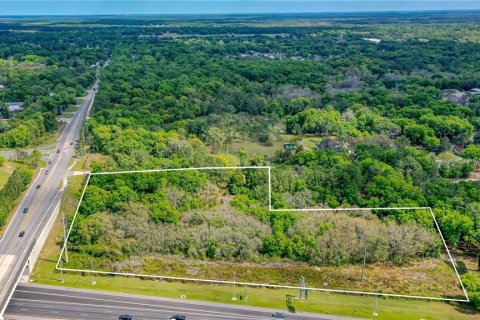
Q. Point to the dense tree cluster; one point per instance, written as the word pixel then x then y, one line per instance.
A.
pixel 45 71
pixel 16 183
pixel 382 105
pixel 179 213
pixel 387 133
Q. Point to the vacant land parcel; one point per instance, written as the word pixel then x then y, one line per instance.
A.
pixel 217 225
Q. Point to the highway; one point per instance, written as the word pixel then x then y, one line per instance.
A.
pixel 40 202
pixel 65 303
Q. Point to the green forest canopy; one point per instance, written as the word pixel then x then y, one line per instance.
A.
pixel 383 113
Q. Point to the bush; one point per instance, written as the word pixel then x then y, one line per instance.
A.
pixel 472 285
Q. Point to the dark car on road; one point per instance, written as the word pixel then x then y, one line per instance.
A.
pixel 178 317
pixel 21 234
pixel 25 210
pixel 58 150
pixel 125 317
pixel 38 186
pixel 279 315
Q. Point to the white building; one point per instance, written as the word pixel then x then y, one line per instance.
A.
pixel 475 91
pixel 373 40
pixel 15 106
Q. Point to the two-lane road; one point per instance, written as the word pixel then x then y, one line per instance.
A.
pixel 40 201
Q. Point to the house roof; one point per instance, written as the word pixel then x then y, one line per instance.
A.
pixel 15 106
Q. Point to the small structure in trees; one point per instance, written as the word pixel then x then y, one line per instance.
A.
pixel 372 40
pixel 15 106
pixel 331 144
pixel 475 91
pixel 455 96
pixel 393 135
pixel 472 247
pixel 289 146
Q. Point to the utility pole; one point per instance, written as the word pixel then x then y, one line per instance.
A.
pixel 64 222
pixel 364 256
pixel 61 271
pixel 234 292
pixel 93 274
pixel 375 313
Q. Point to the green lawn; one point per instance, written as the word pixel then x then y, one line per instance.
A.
pixel 5 171
pixel 79 100
pixel 72 108
pixel 84 162
pixel 319 302
pixel 253 147
pixel 309 142
pixel 65 116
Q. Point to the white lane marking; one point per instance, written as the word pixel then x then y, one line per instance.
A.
pixel 158 308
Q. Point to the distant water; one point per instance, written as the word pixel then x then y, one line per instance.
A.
pixel 111 7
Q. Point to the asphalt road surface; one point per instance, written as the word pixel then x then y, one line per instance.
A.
pixel 39 201
pixel 63 303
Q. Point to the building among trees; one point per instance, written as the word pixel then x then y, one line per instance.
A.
pixel 15 106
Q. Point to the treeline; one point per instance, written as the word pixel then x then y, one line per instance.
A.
pixel 30 130
pixel 340 86
pixel 377 173
pixel 14 187
pixel 436 133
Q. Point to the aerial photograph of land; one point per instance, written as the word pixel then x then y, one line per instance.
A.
pixel 226 159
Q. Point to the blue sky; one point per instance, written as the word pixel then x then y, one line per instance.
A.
pixel 99 7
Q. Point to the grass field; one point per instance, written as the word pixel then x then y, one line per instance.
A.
pixel 309 142
pixel 428 278
pixel 72 108
pixel 253 147
pixel 5 171
pixel 320 302
pixel 84 162
pixel 52 137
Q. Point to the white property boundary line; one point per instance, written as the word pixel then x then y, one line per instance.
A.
pixel 265 285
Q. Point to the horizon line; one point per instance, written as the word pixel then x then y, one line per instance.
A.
pixel 316 13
